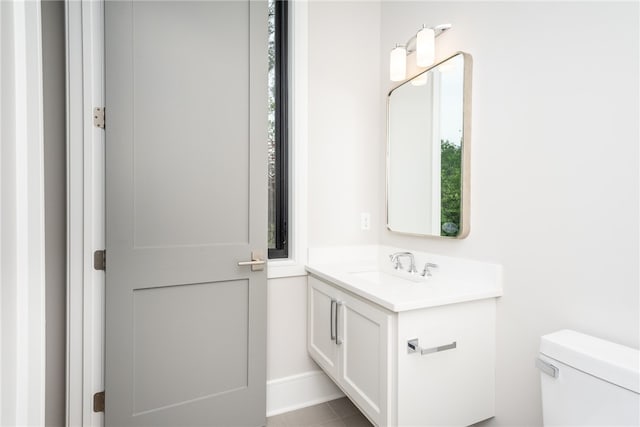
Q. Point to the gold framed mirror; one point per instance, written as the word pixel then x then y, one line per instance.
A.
pixel 428 146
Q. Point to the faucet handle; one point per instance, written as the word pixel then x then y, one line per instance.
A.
pixel 395 261
pixel 427 272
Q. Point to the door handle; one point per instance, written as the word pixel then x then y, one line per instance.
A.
pixel 257 262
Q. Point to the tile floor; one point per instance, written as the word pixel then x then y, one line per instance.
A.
pixel 336 413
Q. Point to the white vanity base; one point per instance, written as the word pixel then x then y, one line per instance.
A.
pixel 363 348
pixel 370 363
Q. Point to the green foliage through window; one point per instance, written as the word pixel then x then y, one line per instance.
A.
pixel 451 186
pixel 278 179
pixel 271 237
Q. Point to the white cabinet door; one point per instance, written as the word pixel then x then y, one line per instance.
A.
pixel 321 326
pixel 352 341
pixel 364 333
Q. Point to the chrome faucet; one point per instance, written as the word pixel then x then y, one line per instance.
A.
pixel 395 259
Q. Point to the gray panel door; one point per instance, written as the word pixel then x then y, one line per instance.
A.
pixel 186 103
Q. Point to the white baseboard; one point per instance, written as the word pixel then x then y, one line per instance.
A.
pixel 299 391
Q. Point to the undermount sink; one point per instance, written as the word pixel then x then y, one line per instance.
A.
pixel 383 278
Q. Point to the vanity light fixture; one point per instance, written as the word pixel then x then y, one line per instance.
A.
pixel 423 43
pixel 398 63
pixel 425 46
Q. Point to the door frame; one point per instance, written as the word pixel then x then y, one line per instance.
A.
pixel 22 219
pixel 86 198
pixel 85 210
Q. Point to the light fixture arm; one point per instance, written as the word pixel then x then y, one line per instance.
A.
pixel 410 46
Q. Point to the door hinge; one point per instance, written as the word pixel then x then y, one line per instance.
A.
pixel 98 402
pixel 100 260
pixel 98 117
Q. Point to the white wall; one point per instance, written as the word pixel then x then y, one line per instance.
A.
pixel 554 170
pixel 344 133
pixel 287 328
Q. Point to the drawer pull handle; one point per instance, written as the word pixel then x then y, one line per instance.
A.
pixel 413 346
pixel 332 319
pixel 339 340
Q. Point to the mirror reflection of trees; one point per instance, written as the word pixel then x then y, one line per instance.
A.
pixel 451 187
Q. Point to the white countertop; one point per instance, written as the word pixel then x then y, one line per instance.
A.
pixel 455 281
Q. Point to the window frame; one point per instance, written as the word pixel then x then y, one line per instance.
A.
pixel 281 143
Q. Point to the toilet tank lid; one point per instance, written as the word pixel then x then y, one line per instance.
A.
pixel 611 362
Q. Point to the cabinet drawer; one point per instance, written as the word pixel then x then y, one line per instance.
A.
pixel 454 386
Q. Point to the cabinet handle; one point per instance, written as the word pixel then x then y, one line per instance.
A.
pixel 413 346
pixel 338 339
pixel 331 319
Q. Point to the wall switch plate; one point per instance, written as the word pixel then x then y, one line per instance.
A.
pixel 365 221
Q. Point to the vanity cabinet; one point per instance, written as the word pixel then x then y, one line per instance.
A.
pixel 350 340
pixel 364 348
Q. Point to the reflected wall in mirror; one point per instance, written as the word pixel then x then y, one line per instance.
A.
pixel 428 121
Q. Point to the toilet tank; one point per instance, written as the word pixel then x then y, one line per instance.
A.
pixel 587 381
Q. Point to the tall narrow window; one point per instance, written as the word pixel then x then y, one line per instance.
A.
pixel 278 130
